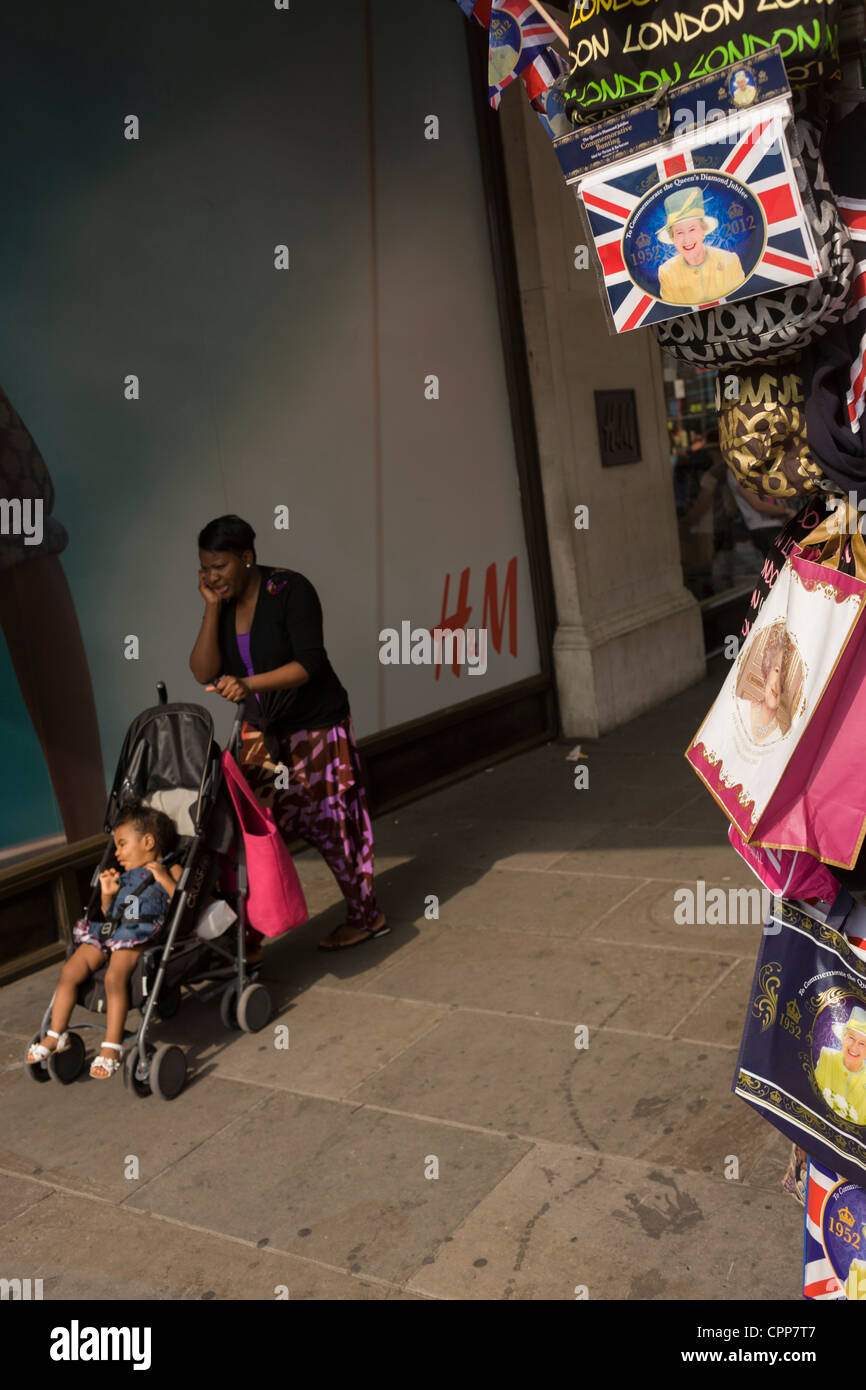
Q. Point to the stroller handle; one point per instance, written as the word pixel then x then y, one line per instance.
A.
pixel 234 742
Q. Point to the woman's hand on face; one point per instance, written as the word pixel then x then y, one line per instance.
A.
pixel 231 688
pixel 207 593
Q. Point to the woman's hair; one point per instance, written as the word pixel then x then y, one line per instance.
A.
pixel 228 533
pixel 148 821
pixel 776 647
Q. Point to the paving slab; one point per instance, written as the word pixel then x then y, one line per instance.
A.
pixel 12 1070
pixel 543 904
pixel 769 1170
pixel 700 813
pixel 82 1136
pixel 552 978
pixel 17 1195
pixel 340 1184
pixel 132 1255
pixel 541 786
pixel 336 1039
pixel 484 841
pixel 24 1001
pixel 515 1075
pixel 652 916
pixel 682 853
pixel 721 1136
pixel 293 963
pixel 720 1016
pixel 564 1226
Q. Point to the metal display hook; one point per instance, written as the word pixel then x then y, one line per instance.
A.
pixel 662 104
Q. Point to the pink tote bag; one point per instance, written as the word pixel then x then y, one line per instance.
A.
pixel 275 901
pixel 788 873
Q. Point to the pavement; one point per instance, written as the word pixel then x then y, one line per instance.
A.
pixel 526 1096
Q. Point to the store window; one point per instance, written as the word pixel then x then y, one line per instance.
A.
pixel 724 530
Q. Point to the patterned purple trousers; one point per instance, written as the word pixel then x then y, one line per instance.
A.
pixel 324 804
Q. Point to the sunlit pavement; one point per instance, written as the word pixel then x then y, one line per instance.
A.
pixel 526 1096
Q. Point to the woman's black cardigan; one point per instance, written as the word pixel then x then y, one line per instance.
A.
pixel 287 626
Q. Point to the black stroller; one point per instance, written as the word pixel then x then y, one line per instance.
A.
pixel 170 761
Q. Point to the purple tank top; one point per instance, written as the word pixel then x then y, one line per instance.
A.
pixel 243 639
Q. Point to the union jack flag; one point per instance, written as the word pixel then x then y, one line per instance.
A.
pixel 853 212
pixel 479 10
pixel 520 47
pixel 538 79
pixel 819 1279
pixel 550 105
pixel 756 159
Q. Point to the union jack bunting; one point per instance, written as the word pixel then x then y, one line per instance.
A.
pixel 819 1279
pixel 479 10
pixel 853 212
pixel 520 47
pixel 738 180
pixel 538 79
pixel 550 106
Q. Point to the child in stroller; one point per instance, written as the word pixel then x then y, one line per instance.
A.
pixel 131 913
pixel 189 937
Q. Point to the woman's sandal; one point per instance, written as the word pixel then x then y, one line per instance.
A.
pixel 40 1053
pixel 370 934
pixel 108 1064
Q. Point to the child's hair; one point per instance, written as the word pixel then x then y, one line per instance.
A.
pixel 148 821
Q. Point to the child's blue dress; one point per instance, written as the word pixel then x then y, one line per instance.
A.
pixel 139 916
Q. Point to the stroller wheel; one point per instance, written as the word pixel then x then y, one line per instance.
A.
pixel 228 1012
pixel 168 1002
pixel 37 1071
pixel 136 1073
pixel 168 1071
pixel 65 1066
pixel 254 1008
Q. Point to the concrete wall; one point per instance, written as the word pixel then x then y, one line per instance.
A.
pixel 629 634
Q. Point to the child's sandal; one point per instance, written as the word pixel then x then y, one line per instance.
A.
pixel 40 1053
pixel 107 1064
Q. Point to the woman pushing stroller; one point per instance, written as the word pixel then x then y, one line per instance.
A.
pixel 131 912
pixel 261 645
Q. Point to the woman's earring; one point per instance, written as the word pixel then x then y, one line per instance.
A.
pixel 247 566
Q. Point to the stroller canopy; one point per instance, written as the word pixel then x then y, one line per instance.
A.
pixel 167 748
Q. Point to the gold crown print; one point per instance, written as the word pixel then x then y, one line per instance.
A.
pixel 846 1217
pixel 735 210
pixel 642 241
pixel 793 1011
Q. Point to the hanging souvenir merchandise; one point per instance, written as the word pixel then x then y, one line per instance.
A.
pixel 802 1060
pixel 622 53
pixel 834 365
pixel 786 873
pixel 782 320
pixel 782 748
pixel 520 46
pixel 707 213
pixel 834 1248
pixel 551 111
pixel 762 431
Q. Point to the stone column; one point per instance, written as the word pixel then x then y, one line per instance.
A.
pixel 629 633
